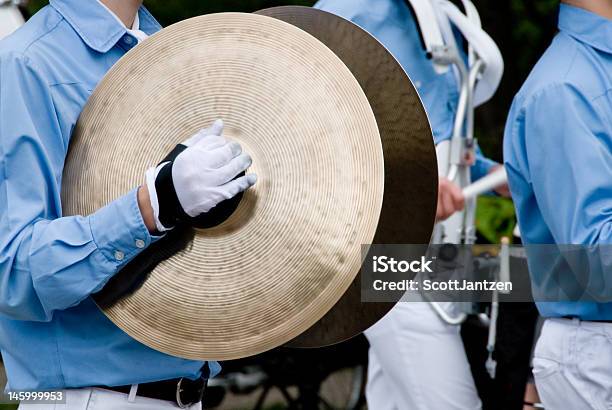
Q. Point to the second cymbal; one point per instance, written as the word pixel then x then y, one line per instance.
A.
pixel 410 195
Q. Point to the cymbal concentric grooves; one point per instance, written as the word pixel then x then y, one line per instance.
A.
pixel 292 247
pixel 409 203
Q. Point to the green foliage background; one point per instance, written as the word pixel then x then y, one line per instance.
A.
pixel 494 218
pixel 522 29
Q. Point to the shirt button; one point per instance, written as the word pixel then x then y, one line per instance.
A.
pixel 119 255
pixel 128 40
pixel 140 243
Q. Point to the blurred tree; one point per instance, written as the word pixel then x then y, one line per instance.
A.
pixel 494 218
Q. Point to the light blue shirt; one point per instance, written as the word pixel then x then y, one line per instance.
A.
pixel 392 23
pixel 52 335
pixel 558 147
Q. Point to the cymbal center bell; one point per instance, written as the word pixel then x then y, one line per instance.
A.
pixel 228 208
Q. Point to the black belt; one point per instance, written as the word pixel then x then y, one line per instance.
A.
pixel 184 392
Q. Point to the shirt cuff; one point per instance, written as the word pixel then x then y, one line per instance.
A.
pixel 119 230
pixel 482 166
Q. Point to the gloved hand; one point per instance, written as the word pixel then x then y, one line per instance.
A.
pixel 196 176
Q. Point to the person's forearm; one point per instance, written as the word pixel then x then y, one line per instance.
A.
pixel 53 264
pixel 144 203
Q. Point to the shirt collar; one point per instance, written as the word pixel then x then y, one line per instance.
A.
pixel 135 24
pixel 587 27
pixel 98 28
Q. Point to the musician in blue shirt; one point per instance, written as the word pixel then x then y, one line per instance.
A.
pixel 417 360
pixel 558 154
pixel 52 335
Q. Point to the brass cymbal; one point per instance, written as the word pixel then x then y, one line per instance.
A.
pixel 293 245
pixel 411 179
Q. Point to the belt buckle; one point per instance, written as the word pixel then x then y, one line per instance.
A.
pixel 198 389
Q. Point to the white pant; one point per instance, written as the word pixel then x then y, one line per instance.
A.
pixel 572 365
pixel 417 362
pixel 100 399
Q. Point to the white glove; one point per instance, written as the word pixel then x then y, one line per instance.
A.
pixel 196 176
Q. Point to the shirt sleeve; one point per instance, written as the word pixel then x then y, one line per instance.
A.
pixel 570 163
pixel 482 165
pixel 560 145
pixel 49 262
